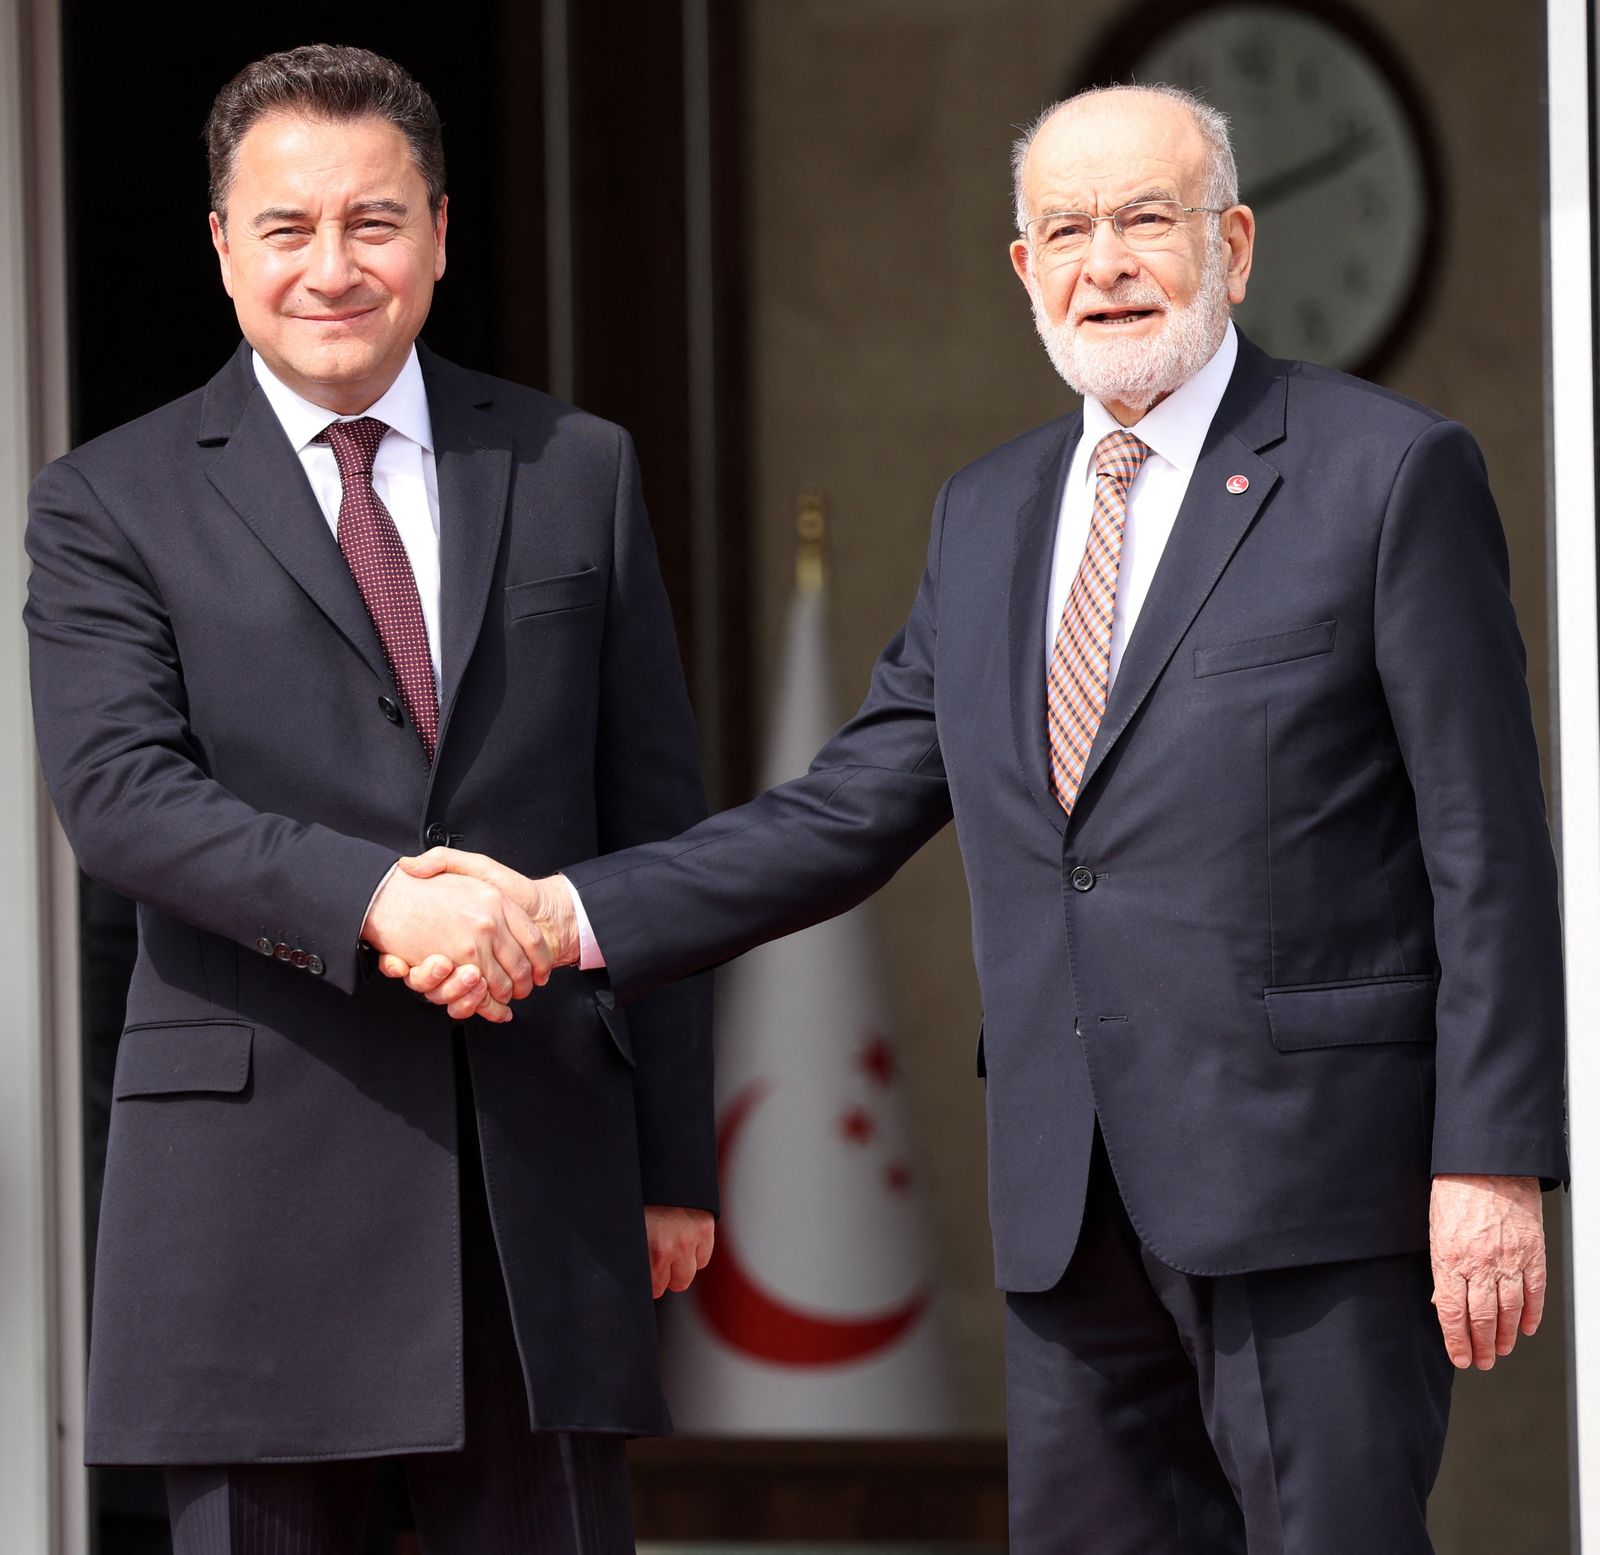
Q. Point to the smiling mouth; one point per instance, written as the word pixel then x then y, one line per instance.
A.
pixel 344 316
pixel 1120 316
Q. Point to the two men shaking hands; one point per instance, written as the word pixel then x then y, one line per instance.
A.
pixel 1219 679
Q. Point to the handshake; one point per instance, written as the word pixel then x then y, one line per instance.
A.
pixel 471 934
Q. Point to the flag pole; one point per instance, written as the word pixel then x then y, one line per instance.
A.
pixel 810 526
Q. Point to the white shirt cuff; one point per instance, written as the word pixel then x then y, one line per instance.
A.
pixel 388 875
pixel 589 957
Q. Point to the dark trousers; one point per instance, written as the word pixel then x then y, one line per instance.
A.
pixel 1290 1412
pixel 512 1491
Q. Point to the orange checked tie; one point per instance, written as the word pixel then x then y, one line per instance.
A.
pixel 1080 667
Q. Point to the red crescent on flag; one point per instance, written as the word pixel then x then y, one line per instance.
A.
pixel 757 1323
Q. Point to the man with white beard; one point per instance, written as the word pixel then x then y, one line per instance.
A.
pixel 1221 682
pixel 1118 361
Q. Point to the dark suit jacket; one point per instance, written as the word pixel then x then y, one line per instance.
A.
pixel 278 1272
pixel 1297 946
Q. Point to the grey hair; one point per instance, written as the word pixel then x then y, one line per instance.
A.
pixel 1222 173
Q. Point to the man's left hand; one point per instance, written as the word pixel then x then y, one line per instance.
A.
pixel 680 1245
pixel 1487 1238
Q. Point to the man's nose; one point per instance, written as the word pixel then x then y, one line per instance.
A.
pixel 1109 258
pixel 331 268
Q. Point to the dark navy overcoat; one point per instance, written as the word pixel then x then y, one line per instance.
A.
pixel 278 1273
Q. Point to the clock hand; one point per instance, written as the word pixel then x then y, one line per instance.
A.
pixel 1314 169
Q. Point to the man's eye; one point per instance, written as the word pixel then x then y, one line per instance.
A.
pixel 373 225
pixel 1147 221
pixel 280 234
pixel 1067 229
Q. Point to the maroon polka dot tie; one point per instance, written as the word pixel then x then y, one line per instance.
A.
pixel 382 570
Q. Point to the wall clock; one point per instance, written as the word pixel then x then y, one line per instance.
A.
pixel 1335 156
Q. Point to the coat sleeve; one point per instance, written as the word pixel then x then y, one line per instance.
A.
pixel 1453 671
pixel 128 778
pixel 797 854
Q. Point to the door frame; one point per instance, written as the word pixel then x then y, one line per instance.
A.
pixel 1575 658
pixel 43 1486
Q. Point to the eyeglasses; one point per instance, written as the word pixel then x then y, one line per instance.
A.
pixel 1142 224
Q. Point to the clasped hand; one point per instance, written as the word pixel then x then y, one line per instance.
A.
pixel 470 934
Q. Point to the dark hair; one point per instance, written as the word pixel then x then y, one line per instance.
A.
pixel 324 81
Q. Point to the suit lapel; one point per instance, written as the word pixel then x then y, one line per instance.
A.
pixel 1210 524
pixel 260 477
pixel 1033 546
pixel 473 452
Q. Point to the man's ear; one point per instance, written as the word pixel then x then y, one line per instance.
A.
pixel 440 222
pixel 1239 233
pixel 1021 259
pixel 219 241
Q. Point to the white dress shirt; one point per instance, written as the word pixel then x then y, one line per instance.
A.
pixel 404 474
pixel 1174 430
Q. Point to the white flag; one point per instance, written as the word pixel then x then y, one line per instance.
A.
pixel 819 1313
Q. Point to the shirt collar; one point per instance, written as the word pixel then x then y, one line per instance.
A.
pixel 403 407
pixel 1176 428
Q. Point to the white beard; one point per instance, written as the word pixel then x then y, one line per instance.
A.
pixel 1137 372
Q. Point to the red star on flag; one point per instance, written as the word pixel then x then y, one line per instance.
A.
pixel 858 1126
pixel 878 1059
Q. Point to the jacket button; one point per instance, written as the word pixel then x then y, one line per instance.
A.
pixel 298 958
pixel 264 945
pixel 437 835
pixel 1082 878
pixel 314 966
pixel 391 710
pixel 282 951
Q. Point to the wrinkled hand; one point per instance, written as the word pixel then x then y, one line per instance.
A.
pixel 456 982
pixel 466 920
pixel 680 1245
pixel 1487 1237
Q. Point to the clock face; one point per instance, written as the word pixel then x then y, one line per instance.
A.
pixel 1331 159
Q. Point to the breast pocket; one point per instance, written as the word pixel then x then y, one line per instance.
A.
pixel 546 596
pixel 1307 642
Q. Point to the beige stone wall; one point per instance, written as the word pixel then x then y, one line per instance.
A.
pixel 891 344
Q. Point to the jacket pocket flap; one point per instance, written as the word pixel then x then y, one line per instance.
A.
pixel 198 1056
pixel 1375 1009
pixel 541 596
pixel 615 1022
pixel 1257 652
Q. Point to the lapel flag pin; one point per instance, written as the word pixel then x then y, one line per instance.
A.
pixel 1238 483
